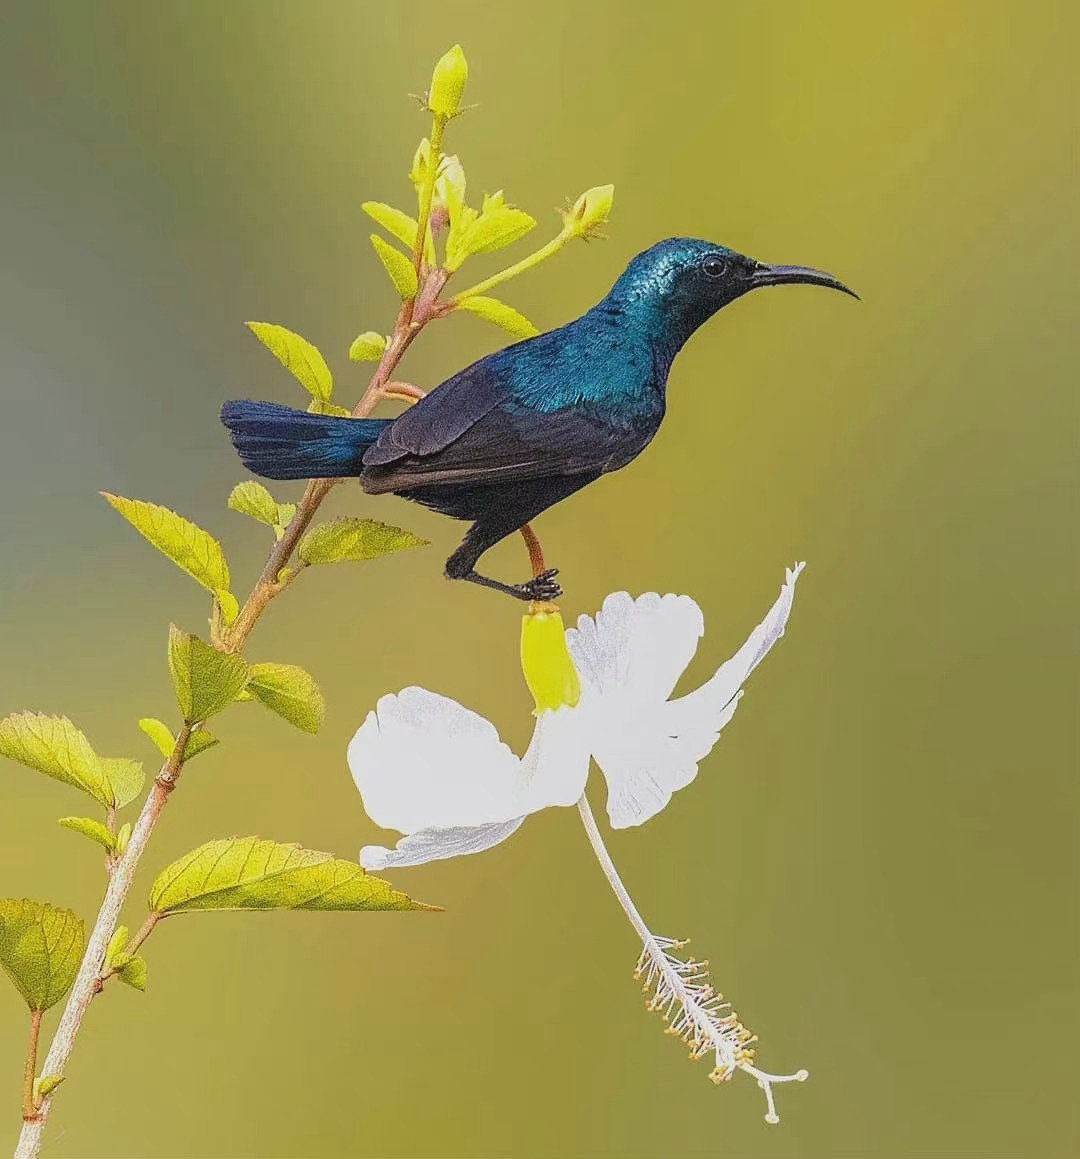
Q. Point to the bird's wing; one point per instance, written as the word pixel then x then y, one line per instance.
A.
pixel 512 442
pixel 440 418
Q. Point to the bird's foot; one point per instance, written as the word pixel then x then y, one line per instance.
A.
pixel 540 589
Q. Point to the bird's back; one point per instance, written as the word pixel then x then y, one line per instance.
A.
pixel 573 400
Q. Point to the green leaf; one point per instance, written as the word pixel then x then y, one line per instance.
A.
pixel 327 408
pixel 298 356
pixel 195 551
pixel 492 310
pixel 114 952
pixel 126 778
pixel 349 540
pixel 199 742
pixel 398 266
pixel 88 827
pixel 251 498
pixel 134 972
pixel 55 747
pixel 123 836
pixel 160 733
pixel 44 1086
pixel 496 227
pixel 367 347
pixel 250 873
pixel 395 221
pixel 41 947
pixel 229 605
pixel 206 680
pixel 290 692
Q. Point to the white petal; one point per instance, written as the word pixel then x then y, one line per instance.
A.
pixel 422 761
pixel 435 844
pixel 636 649
pixel 647 751
pixel 556 763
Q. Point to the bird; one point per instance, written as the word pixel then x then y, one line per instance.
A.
pixel 524 428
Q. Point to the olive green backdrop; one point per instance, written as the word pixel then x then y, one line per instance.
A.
pixel 879 858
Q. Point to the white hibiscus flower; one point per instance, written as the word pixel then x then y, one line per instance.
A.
pixel 438 773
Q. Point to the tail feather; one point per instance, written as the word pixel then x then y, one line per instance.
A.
pixel 279 442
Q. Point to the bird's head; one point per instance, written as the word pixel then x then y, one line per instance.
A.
pixel 680 283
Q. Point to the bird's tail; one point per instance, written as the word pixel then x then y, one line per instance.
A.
pixel 279 442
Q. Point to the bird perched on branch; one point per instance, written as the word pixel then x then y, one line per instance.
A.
pixel 520 430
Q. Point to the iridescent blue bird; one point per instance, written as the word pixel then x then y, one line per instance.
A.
pixel 520 430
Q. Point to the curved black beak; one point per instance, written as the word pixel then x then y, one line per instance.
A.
pixel 764 275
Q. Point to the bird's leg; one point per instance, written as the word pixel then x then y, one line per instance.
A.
pixel 536 552
pixel 481 536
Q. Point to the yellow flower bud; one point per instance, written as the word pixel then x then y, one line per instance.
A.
pixel 591 210
pixel 545 661
pixel 448 83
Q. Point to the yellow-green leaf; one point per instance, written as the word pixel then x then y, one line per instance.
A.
pixel 126 778
pixel 229 605
pixel 303 360
pixel 199 742
pixel 290 692
pixel 123 836
pixel 420 162
pixel 195 551
pixel 55 747
pixel 44 1086
pixel 492 310
pixel 326 408
pixel 114 952
pixel 398 266
pixel 367 347
pixel 253 499
pixel 499 226
pixel 395 221
pixel 160 733
pixel 134 972
pixel 350 540
pixel 206 680
pixel 40 949
pixel 88 827
pixel 250 873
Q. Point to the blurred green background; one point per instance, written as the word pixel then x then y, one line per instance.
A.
pixel 880 858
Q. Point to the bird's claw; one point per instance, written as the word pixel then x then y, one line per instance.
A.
pixel 541 588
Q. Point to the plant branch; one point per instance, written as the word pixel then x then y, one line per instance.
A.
pixel 411 320
pixel 30 1070
pixel 526 263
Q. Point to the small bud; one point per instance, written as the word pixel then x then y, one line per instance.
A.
pixel 116 946
pixel 591 210
pixel 545 661
pixel 448 83
pixel 420 162
pixel 44 1086
pixel 367 347
pixel 123 837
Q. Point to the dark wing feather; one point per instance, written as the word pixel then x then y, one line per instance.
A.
pixel 436 421
pixel 512 442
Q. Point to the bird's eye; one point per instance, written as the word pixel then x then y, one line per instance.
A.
pixel 714 266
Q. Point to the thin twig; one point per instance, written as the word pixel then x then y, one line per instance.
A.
pixel 30 1070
